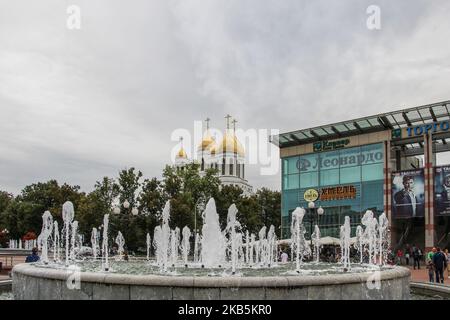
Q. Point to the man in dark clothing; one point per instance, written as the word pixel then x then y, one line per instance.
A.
pixel 34 256
pixel 416 256
pixel 440 262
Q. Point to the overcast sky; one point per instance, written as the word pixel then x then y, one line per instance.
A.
pixel 77 105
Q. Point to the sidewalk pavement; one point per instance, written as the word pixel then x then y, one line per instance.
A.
pixel 421 275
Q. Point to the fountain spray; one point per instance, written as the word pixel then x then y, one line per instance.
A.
pixel 68 214
pixel 149 243
pixel 56 242
pixel 105 251
pixel 46 231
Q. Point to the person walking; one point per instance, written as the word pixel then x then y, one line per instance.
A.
pixel 440 262
pixel 416 257
pixel 430 268
pixel 407 254
pixel 399 256
pixel 33 257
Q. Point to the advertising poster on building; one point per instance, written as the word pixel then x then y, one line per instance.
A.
pixel 442 190
pixel 408 194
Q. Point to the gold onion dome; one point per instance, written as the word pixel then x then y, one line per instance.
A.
pixel 207 142
pixel 182 154
pixel 231 144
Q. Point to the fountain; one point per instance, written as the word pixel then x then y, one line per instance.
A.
pixel 345 242
pixel 68 214
pixel 213 242
pixel 56 242
pixel 149 244
pixel 316 242
pixel 74 239
pixel 226 264
pixel 185 244
pixel 94 242
pixel 105 252
pixel 46 232
pixel 120 240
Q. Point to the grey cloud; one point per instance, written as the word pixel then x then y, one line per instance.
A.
pixel 87 103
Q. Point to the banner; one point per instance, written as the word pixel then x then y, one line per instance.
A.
pixel 442 190
pixel 408 194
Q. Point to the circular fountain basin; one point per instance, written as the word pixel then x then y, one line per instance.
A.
pixel 132 280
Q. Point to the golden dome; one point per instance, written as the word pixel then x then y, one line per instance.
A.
pixel 207 142
pixel 231 144
pixel 182 154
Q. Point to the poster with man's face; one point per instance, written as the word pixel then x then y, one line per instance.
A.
pixel 442 190
pixel 408 194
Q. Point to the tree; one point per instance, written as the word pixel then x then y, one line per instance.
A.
pixel 97 203
pixel 270 208
pixel 129 185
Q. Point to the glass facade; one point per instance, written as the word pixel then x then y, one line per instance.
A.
pixel 358 167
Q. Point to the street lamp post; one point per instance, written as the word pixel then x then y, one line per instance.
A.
pixel 320 211
pixel 134 212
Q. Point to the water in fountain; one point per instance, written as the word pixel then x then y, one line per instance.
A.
pixel 383 238
pixel 197 247
pixel 298 242
pixel 247 247
pixel 359 242
pixel 74 239
pixel 185 244
pixel 120 240
pixel 68 214
pixel 149 243
pixel 174 245
pixel 213 242
pixel 161 239
pixel 105 252
pixel 56 242
pixel 94 242
pixel 370 234
pixel 46 232
pixel 230 233
pixel 345 235
pixel 272 246
pixel 316 242
pixel 262 244
pixel 252 248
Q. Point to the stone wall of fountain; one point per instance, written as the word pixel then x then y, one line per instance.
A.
pixel 222 255
pixel 30 282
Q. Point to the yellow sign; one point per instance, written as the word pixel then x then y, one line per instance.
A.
pixel 311 195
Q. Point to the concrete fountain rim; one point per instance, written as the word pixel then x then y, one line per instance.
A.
pixel 209 281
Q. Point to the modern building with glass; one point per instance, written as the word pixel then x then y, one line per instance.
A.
pixel 384 163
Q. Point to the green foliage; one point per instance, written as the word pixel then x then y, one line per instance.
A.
pixel 187 190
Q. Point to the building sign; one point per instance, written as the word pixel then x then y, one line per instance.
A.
pixel 428 128
pixel 408 194
pixel 338 159
pixel 338 193
pixel 330 145
pixel 311 195
pixel 442 190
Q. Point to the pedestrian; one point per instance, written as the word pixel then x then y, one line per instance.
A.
pixel 407 254
pixel 416 257
pixel 431 253
pixel 430 268
pixel 284 257
pixel 399 256
pixel 440 263
pixel 33 257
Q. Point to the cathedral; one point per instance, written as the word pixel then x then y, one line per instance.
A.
pixel 227 156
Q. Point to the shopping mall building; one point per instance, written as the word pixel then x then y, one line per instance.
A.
pixel 384 163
